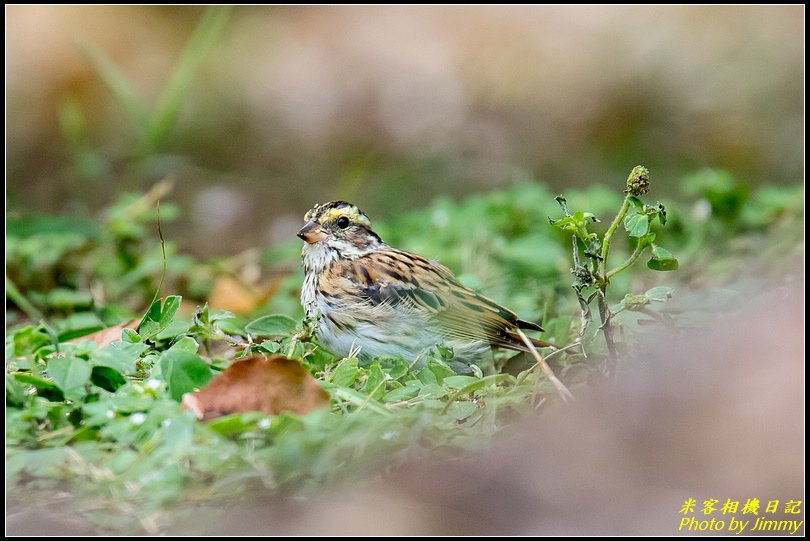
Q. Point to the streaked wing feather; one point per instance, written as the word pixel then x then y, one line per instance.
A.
pixel 399 278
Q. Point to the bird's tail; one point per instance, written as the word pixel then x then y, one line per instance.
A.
pixel 535 342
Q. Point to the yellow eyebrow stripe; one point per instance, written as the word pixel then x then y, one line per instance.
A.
pixel 334 214
pixel 352 213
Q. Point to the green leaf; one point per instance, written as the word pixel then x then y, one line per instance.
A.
pixel 661 212
pixel 726 197
pixel 130 335
pixel 461 410
pixel 170 307
pixel 661 253
pixel 374 380
pixel 87 433
pixel 663 264
pixel 62 298
pixel 483 382
pixel 150 324
pixel 440 370
pixel 426 376
pixel 220 315
pixel 34 225
pixel 183 372
pixel 274 325
pixel 230 325
pixel 636 202
pixel 637 225
pixel 28 340
pixel 433 390
pixel 201 316
pixel 566 224
pixel 403 393
pixel 15 393
pixel 398 367
pixel 186 343
pixel 172 329
pixel 107 378
pixel 78 325
pixel 584 217
pixel 659 294
pixel 44 387
pixel 236 423
pixel 662 260
pixel 120 356
pixel 458 382
pixel 346 372
pixel 39 462
pixel 633 303
pixel 70 375
pixel 270 346
pixel 159 316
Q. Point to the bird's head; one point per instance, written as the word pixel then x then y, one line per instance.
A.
pixel 339 225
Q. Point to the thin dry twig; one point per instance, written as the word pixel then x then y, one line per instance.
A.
pixel 564 393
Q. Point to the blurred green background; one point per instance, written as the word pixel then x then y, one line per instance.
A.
pixel 392 106
pixel 453 128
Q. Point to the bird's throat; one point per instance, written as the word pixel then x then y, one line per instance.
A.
pixel 318 257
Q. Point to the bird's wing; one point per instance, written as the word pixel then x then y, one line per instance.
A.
pixel 407 281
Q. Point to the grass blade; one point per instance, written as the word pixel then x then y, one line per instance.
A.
pixel 118 84
pixel 173 94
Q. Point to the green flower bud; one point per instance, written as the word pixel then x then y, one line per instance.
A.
pixel 638 183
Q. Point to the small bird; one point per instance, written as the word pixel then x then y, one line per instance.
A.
pixel 368 296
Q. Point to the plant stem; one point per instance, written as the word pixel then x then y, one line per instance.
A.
pixel 523 375
pixel 607 330
pixel 22 303
pixel 608 236
pixel 163 251
pixel 630 260
pixel 564 393
pixel 602 282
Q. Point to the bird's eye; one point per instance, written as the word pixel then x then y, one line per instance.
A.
pixel 343 222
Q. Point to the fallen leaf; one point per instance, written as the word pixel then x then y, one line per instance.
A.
pixel 233 295
pixel 105 337
pixel 259 383
pixel 241 296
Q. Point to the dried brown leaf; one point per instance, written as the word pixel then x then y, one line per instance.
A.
pixel 105 337
pixel 242 296
pixel 233 295
pixel 269 384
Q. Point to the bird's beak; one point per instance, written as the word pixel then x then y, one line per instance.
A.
pixel 311 232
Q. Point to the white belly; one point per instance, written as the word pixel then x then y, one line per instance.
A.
pixel 406 335
pixel 372 330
